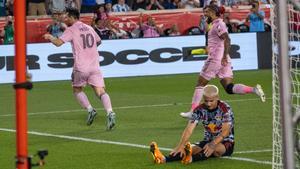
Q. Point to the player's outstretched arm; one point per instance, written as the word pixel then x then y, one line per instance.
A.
pixel 56 41
pixel 179 149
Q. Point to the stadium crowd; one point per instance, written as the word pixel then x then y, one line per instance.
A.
pixel 101 11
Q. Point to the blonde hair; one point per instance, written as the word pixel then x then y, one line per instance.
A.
pixel 210 91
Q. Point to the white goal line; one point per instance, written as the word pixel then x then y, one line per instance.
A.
pixel 138 145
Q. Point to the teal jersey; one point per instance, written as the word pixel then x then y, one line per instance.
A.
pixel 9 34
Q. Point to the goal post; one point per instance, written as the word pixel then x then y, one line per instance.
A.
pixel 285 19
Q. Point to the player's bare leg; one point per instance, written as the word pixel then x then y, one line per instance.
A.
pixel 231 88
pixel 105 99
pixel 201 83
pixel 84 102
pixel 220 150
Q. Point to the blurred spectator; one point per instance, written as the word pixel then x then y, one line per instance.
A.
pixel 242 2
pixel 203 24
pixel 169 4
pixel 235 27
pixel 106 30
pixel 215 2
pixel 139 5
pixel 121 6
pixel 108 6
pixel 102 29
pixel 205 2
pixel 268 28
pixel 201 3
pixel 178 4
pixel 101 12
pixel 190 4
pixel 264 1
pixel 88 6
pixel 256 18
pixel 8 32
pixel 100 2
pixel 56 6
pixel 228 24
pixel 228 2
pixel 154 5
pixel 9 7
pixel 242 28
pixel 57 27
pixel 2 8
pixel 73 4
pixel 150 29
pixel 195 30
pixel 37 7
pixel 129 3
pixel 173 31
pixel 117 32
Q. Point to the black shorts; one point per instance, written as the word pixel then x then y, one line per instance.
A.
pixel 229 146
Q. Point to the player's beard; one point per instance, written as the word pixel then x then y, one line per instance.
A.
pixel 68 23
pixel 208 19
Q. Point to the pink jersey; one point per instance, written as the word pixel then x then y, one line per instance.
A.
pixel 149 31
pixel 84 46
pixel 215 43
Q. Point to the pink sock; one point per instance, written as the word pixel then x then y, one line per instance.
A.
pixel 105 99
pixel 197 97
pixel 82 100
pixel 242 89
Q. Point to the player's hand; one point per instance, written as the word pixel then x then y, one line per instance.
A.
pixel 47 36
pixel 209 149
pixel 224 61
pixel 178 150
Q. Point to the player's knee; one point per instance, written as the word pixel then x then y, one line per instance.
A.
pixel 101 92
pixel 217 154
pixel 229 88
pixel 77 89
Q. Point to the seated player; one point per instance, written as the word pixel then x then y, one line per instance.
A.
pixel 218 122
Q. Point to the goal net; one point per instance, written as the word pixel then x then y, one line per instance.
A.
pixel 293 34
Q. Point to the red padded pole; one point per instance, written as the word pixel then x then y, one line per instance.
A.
pixel 20 67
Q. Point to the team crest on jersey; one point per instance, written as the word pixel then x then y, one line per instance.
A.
pixel 212 127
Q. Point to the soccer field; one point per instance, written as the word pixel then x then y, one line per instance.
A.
pixel 147 109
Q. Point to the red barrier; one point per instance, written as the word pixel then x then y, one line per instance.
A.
pixel 184 19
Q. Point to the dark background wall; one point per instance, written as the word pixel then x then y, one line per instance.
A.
pixel 264 49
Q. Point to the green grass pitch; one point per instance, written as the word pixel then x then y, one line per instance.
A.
pixel 147 109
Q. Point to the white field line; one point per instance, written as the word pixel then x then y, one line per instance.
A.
pixel 252 151
pixel 249 160
pixel 134 145
pixel 123 107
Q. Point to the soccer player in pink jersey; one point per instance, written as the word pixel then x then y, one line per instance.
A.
pixel 86 69
pixel 218 62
